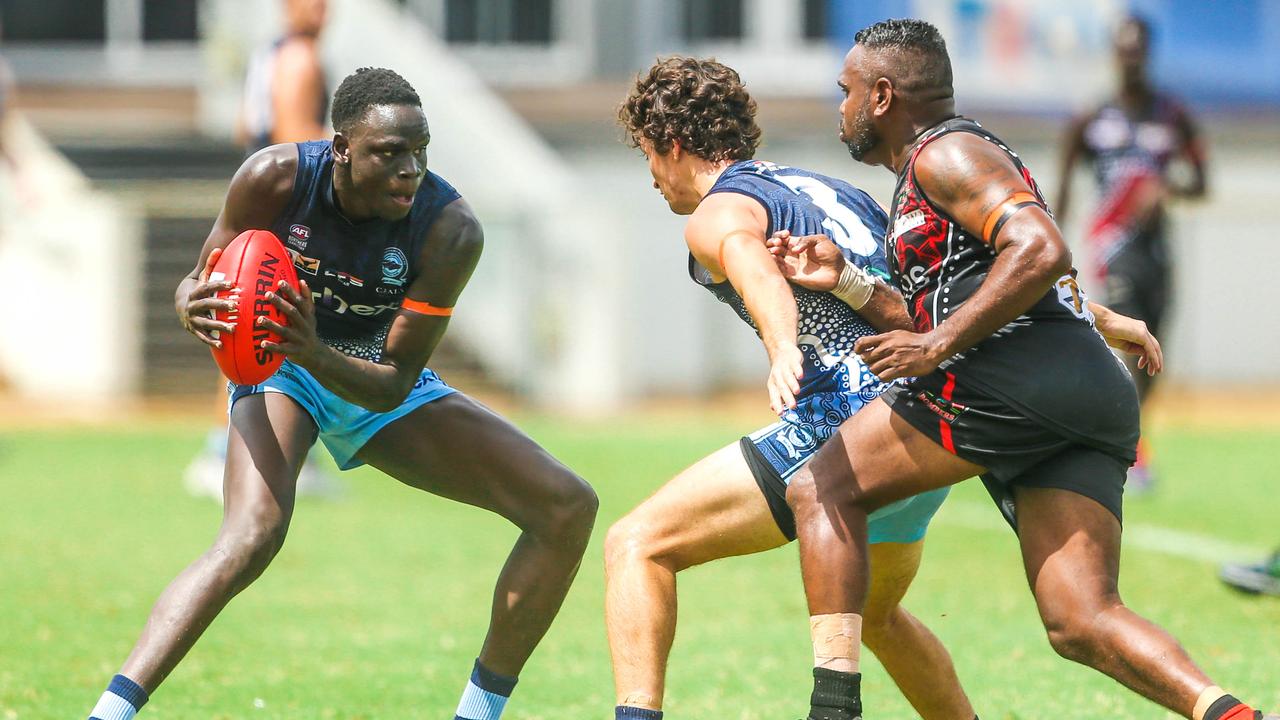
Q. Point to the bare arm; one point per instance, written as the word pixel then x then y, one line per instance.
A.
pixel 1072 149
pixel 726 234
pixel 297 93
pixel 449 256
pixel 1192 150
pixel 1129 335
pixel 968 178
pixel 258 192
pixel 815 262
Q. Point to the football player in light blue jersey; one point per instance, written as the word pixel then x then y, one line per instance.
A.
pixel 695 123
pixel 384 248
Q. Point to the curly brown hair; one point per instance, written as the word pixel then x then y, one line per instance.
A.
pixel 702 104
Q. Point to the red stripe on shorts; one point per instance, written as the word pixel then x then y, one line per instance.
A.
pixel 944 430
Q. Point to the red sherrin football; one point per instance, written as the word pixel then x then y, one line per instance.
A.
pixel 256 262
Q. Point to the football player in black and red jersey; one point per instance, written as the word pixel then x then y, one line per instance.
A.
pixel 1004 377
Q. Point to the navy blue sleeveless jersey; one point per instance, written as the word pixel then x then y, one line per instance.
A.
pixel 807 203
pixel 358 272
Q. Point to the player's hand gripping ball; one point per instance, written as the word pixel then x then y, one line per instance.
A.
pixel 255 262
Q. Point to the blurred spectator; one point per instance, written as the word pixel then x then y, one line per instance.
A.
pixel 12 180
pixel 285 96
pixel 1131 141
pixel 6 97
pixel 285 100
pixel 1263 577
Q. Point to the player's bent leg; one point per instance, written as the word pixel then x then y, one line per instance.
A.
pixel 876 458
pixel 1071 551
pixel 912 655
pixel 712 510
pixel 456 448
pixel 269 436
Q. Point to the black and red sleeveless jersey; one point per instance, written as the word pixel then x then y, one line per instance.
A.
pixel 938 264
pixel 1049 362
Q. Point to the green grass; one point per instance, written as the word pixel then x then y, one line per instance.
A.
pixel 377 604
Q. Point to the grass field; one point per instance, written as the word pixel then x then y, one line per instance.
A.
pixel 377 604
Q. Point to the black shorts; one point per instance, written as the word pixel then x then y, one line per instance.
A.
pixel 1014 449
pixel 1137 278
pixel 904 521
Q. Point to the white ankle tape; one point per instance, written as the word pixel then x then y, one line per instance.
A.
pixel 837 640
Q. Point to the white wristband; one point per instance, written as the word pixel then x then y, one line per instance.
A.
pixel 854 286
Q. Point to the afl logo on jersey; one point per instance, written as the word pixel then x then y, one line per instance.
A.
pixel 395 267
pixel 298 236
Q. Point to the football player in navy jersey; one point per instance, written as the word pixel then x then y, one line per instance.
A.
pixel 1005 378
pixel 695 123
pixel 1132 141
pixel 383 248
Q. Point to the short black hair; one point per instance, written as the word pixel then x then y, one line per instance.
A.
pixel 365 88
pixel 926 61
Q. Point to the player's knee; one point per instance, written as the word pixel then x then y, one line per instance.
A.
pixel 881 626
pixel 1079 637
pixel 573 514
pixel 247 551
pixel 802 493
pixel 621 544
pixel 808 501
pixel 629 540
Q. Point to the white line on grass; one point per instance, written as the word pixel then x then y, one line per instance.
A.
pixel 1139 536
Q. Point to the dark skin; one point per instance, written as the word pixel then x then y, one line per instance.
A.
pixel 452 447
pixel 1070 543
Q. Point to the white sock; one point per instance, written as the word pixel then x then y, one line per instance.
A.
pixel 478 703
pixel 113 707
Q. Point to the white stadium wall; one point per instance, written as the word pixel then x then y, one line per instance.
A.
pixel 582 300
pixel 70 266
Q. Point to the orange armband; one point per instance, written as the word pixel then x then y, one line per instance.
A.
pixel 1005 210
pixel 423 308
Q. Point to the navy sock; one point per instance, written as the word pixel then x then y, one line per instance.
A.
pixel 627 712
pixel 485 696
pixel 122 700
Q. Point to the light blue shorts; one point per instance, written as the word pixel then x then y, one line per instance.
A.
pixel 344 427
pixel 776 452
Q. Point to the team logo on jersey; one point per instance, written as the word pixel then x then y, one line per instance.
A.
pixel 910 221
pixel 298 236
pixel 338 305
pixel 395 266
pixel 304 263
pixel 345 278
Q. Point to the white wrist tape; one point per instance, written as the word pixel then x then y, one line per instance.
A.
pixel 854 286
